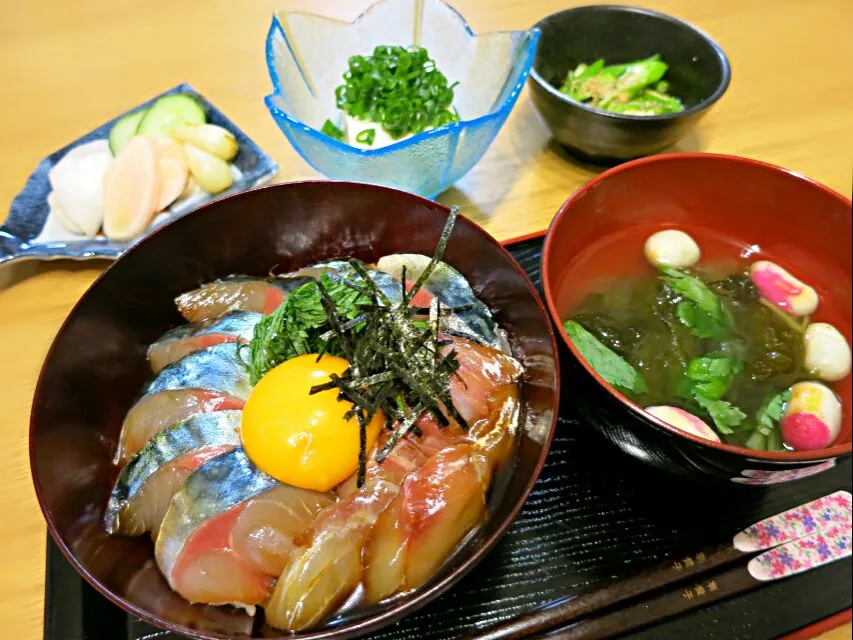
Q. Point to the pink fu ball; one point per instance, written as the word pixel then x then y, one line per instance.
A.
pixel 812 418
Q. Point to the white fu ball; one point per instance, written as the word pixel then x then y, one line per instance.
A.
pixel 672 248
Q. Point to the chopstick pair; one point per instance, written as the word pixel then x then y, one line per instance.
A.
pixel 794 541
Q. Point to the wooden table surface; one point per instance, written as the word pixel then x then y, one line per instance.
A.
pixel 68 67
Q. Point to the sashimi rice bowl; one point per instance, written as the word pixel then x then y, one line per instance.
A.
pixel 287 414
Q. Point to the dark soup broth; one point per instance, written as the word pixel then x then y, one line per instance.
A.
pixel 735 373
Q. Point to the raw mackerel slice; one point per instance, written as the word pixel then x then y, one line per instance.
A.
pixel 146 485
pixel 211 300
pixel 206 380
pixel 452 290
pixel 438 506
pixel 264 532
pixel 201 547
pixel 338 269
pixel 324 568
pixel 234 326
pixel 482 371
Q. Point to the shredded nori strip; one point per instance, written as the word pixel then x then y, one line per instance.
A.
pixel 396 364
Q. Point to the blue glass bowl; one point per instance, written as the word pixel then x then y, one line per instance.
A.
pixel 307 55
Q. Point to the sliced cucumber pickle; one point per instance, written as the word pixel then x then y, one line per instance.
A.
pixel 170 112
pixel 124 130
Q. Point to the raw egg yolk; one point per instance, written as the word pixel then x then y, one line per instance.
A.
pixel 301 439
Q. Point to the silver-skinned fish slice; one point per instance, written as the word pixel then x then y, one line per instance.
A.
pixel 452 290
pixel 213 299
pixel 338 269
pixel 146 485
pixel 202 548
pixel 234 326
pixel 215 373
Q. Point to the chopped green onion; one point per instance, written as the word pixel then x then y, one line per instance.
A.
pixel 331 130
pixel 399 88
pixel 366 136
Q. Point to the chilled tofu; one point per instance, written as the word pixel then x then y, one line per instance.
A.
pixel 354 126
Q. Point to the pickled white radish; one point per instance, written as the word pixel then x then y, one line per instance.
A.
pixel 209 137
pixel 77 181
pixel 812 417
pixel 211 173
pixel 778 286
pixel 66 222
pixel 827 352
pixel 684 421
pixel 173 170
pixel 131 190
pixel 672 248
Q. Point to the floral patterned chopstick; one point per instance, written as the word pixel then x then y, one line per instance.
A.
pixel 835 508
pixel 805 537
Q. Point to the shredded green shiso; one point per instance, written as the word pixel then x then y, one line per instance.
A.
pixel 398 362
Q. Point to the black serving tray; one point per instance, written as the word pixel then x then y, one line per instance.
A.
pixel 594 515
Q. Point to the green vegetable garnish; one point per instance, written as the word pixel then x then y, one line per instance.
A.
pixel 725 415
pixel 606 362
pixel 700 310
pixel 634 88
pixel 397 363
pixel 297 326
pixel 706 382
pixel 398 88
pixel 711 376
pixel 767 420
pixel 367 136
pixel 332 131
pixel 770 413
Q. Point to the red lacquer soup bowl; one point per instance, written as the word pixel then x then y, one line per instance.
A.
pixel 97 365
pixel 735 207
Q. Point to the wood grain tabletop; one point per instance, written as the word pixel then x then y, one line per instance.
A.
pixel 68 67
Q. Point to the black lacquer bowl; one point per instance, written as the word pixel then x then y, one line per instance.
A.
pixel 97 365
pixel 698 74
pixel 747 202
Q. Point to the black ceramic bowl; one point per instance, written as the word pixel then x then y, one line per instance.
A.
pixel 698 74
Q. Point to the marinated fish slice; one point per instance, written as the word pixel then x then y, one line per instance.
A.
pixel 496 435
pixel 451 288
pixel 439 504
pixel 217 369
pixel 325 567
pixel 264 531
pixel 145 486
pixel 482 371
pixel 324 571
pixel 235 326
pixel 406 456
pixel 336 269
pixel 153 499
pixel 153 413
pixel 211 300
pixel 193 548
pixel 433 437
